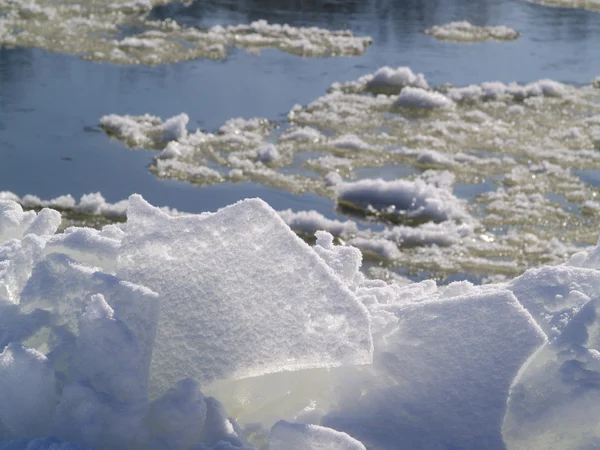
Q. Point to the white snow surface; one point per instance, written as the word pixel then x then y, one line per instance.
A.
pixel 323 324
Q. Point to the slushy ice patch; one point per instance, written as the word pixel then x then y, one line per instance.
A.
pixel 94 30
pixel 225 330
pixel 517 147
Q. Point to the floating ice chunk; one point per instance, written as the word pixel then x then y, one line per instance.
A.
pixel 303 134
pixel 420 98
pixel 240 274
pixel 380 248
pixel 269 154
pixel 465 31
pixel 350 142
pixel 174 128
pixel 449 366
pixel 495 90
pixel 179 169
pixel 307 222
pixel 146 130
pixel 402 199
pixel 443 234
pixel 27 391
pixel 298 436
pixel 386 80
pixel 92 203
pixel 585 4
pixel 553 295
pixel 391 81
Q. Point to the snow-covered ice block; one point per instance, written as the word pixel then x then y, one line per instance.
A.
pixel 448 368
pixel 176 420
pixel 63 287
pixel 391 80
pixel 402 199
pixel 344 260
pixel 310 221
pixel 13 220
pixel 241 295
pixel 108 356
pixel 298 436
pixel 554 403
pixel 554 294
pixel 411 97
pixel 88 246
pixel 27 391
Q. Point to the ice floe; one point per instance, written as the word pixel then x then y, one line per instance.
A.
pixel 464 31
pixel 585 4
pixel 92 29
pixel 519 147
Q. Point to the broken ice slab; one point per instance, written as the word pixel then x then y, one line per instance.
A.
pixel 241 296
pixel 554 402
pixel 554 294
pixel 443 376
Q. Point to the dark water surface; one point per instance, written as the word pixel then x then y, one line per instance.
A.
pixel 50 103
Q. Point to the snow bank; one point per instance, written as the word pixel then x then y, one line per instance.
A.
pixel 466 32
